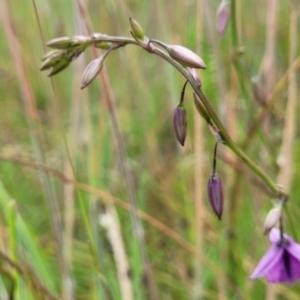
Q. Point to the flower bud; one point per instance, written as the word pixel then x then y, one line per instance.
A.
pixel 54 54
pixel 91 71
pixel 59 66
pixel 223 14
pixel 180 123
pixel 186 57
pixel 60 43
pixel 272 218
pixel 136 28
pixel 215 195
pixel 51 59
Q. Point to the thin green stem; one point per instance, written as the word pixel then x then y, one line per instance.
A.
pixel 222 131
pixel 82 207
pixel 182 94
pixel 214 167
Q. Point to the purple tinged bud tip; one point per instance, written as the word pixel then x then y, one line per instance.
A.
pixel 195 75
pixel 223 14
pixel 180 124
pixel 215 195
pixel 186 57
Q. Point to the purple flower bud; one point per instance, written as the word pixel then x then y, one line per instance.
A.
pixel 223 14
pixel 215 195
pixel 180 124
pixel 186 57
pixel 91 71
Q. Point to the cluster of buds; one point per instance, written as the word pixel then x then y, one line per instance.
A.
pixel 67 49
pixel 215 188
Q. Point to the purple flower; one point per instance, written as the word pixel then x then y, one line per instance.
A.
pixel 281 263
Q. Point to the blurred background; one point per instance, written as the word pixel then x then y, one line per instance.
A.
pixel 98 199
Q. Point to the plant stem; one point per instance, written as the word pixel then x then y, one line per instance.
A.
pixel 233 25
pixel 210 110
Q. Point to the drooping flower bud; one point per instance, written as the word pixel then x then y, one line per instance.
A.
pixel 223 14
pixel 136 28
pixel 186 57
pixel 63 42
pixel 215 195
pixel 180 123
pixel 91 71
pixel 272 218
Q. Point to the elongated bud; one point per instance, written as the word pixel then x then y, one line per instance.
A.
pixel 91 71
pixel 59 66
pixel 223 14
pixel 215 195
pixel 54 54
pixel 186 57
pixel 272 218
pixel 51 59
pixel 46 64
pixel 136 29
pixel 60 43
pixel 79 40
pixel 180 123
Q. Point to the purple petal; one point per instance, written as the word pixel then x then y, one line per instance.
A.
pixel 268 261
pixel 294 249
pixel 274 236
pixel 286 270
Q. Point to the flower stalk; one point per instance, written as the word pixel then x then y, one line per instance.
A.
pixel 123 41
